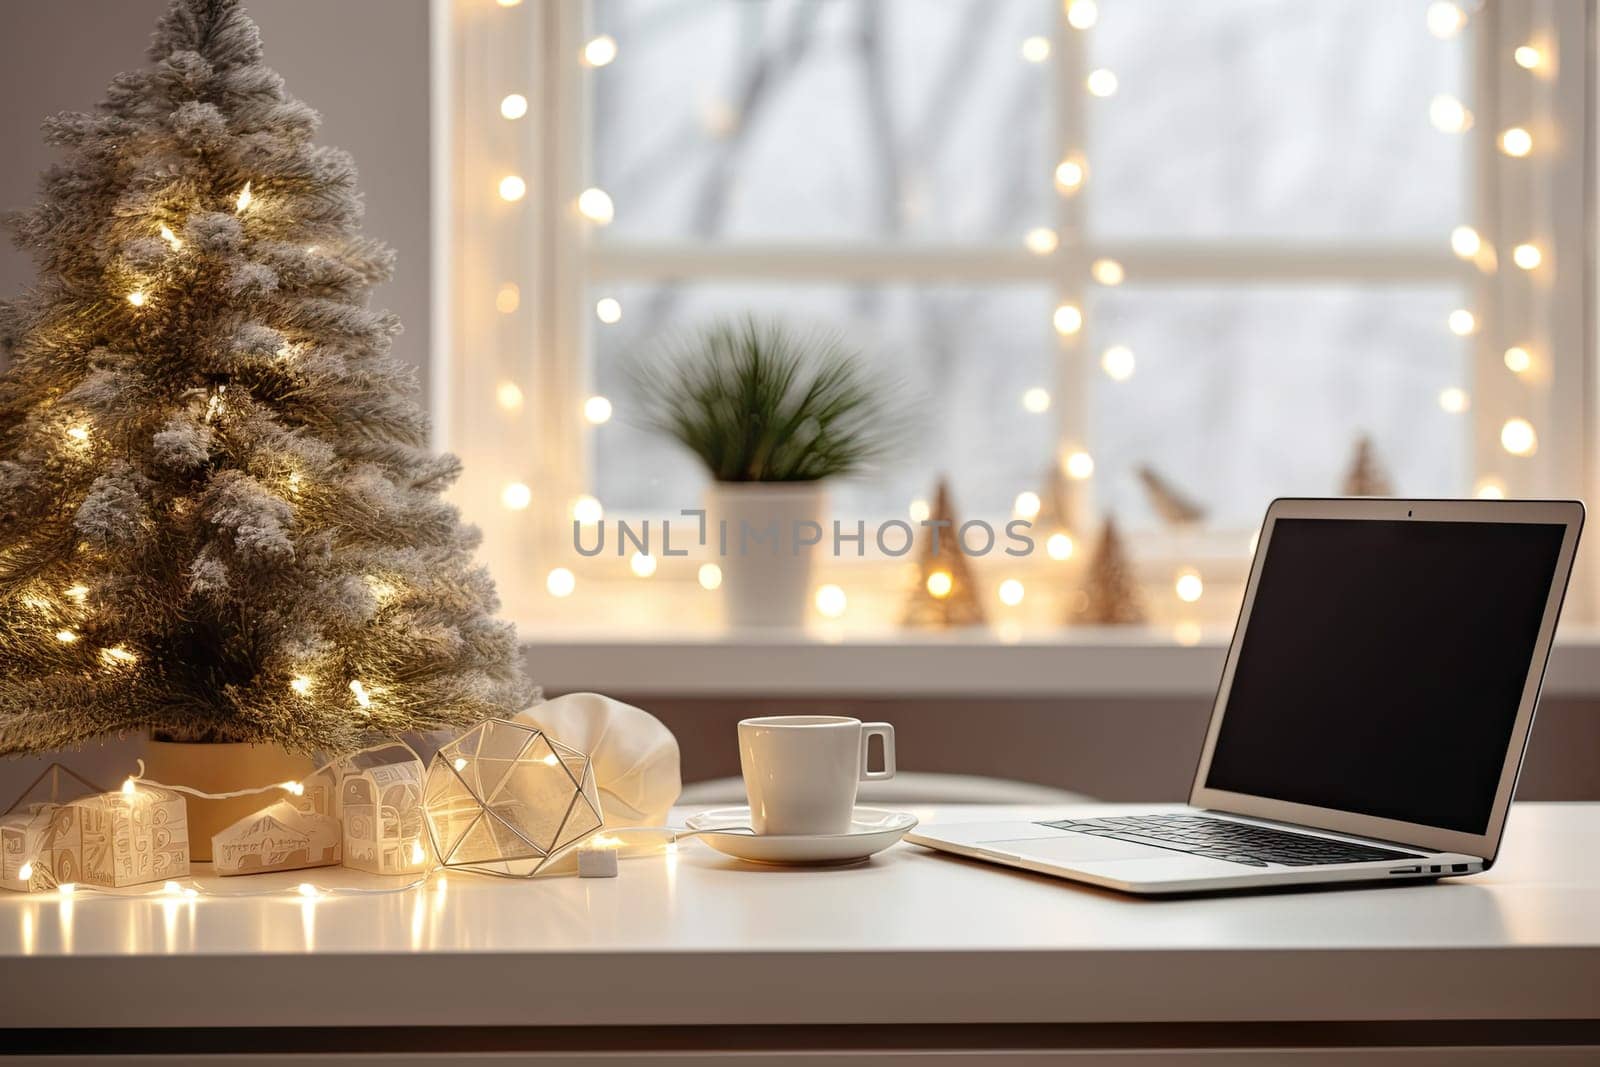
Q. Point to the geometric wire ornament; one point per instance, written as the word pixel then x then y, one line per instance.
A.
pixel 505 799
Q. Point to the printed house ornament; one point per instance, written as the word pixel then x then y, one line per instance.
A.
pixel 505 798
pixel 279 837
pixel 137 834
pixel 22 825
pixel 380 800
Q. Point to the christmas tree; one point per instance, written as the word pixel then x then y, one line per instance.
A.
pixel 1365 476
pixel 1110 592
pixel 945 594
pixel 219 517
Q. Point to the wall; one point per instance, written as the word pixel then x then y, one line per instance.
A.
pixel 363 63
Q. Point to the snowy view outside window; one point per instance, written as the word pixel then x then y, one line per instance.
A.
pixel 1236 125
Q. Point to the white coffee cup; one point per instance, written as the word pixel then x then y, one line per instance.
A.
pixel 801 771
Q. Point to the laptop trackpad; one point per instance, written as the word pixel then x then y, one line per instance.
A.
pixel 1072 847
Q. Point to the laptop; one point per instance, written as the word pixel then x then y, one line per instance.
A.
pixel 1371 719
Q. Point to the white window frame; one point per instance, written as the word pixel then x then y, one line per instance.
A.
pixel 542 245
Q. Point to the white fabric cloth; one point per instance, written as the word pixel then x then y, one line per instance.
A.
pixel 635 757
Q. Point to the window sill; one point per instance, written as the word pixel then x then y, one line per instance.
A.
pixel 1087 662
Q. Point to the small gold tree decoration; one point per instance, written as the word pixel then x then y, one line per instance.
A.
pixel 1174 507
pixel 945 594
pixel 1109 595
pixel 1366 476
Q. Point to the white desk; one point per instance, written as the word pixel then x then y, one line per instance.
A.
pixel 912 950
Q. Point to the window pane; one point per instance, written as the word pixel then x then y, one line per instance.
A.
pixel 963 358
pixel 832 121
pixel 1257 118
pixel 1238 396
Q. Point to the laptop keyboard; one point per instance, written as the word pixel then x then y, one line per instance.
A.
pixel 1236 842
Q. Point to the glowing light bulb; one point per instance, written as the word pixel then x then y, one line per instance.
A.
pixel 1036 49
pixel 1516 142
pixel 1189 587
pixel 1527 256
pixel 301 685
pixel 919 511
pixel 1117 362
pixel 1462 322
pixel 1080 465
pixel 1026 505
pixel 1448 114
pixel 1454 400
pixel 417 855
pixel 1107 272
pixel 363 698
pixel 1445 19
pixel 1041 240
pixel 512 188
pixel 296 480
pixel 1490 488
pixel 709 576
pixel 79 434
pixel 1036 400
pixel 587 510
pixel 513 106
pixel 242 203
pixel 1070 175
pixel 293 788
pixel 118 656
pixel 1059 546
pixel 76 593
pixel 66 889
pixel 600 50
pixel 459 763
pixel 1101 82
pixel 25 872
pixel 515 496
pixel 1518 360
pixel 1528 57
pixel 509 396
pixel 1465 242
pixel 171 238
pixel 1068 319
pixel 128 787
pixel 560 582
pixel 596 206
pixel 642 564
pixel 1082 14
pixel 66 637
pixel 940 584
pixel 137 298
pixel 306 889
pixel 1011 592
pixel 508 3
pixel 597 409
pixel 608 309
pixel 1517 437
pixel 508 298
pixel 831 601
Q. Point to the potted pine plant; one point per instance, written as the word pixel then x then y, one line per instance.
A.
pixel 772 414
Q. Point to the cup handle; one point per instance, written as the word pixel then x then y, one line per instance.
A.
pixel 885 731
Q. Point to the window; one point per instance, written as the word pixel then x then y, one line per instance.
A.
pixel 1218 242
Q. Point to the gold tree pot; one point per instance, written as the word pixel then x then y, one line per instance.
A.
pixel 221 768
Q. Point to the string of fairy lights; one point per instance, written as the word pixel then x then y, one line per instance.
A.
pixel 80 441
pixel 1449 115
pixel 1446 19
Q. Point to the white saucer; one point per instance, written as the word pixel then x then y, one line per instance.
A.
pixel 871 831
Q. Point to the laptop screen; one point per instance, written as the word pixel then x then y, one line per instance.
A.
pixel 1383 664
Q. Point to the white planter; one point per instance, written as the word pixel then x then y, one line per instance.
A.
pixel 766 580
